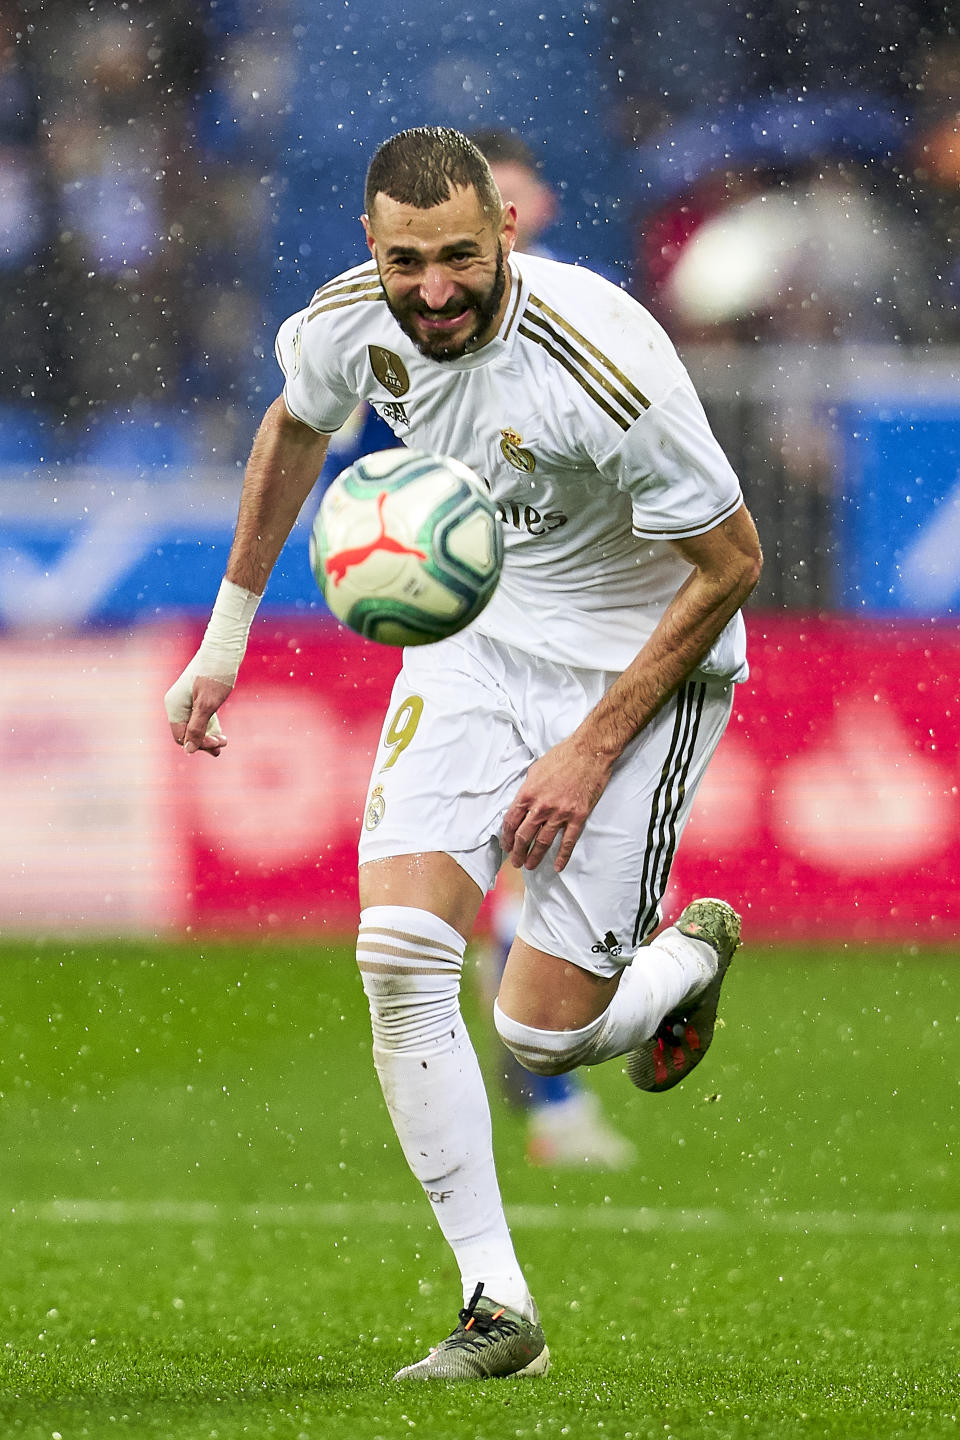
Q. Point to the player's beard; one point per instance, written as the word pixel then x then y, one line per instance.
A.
pixel 483 308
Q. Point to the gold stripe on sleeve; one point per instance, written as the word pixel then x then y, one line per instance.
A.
pixel 581 340
pixel 370 294
pixel 580 378
pixel 516 307
pixel 614 391
pixel 683 532
pixel 351 282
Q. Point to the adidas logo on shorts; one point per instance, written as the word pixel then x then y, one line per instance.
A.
pixel 609 945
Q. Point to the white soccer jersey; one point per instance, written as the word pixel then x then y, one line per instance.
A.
pixel 582 422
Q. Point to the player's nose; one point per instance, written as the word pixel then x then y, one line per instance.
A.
pixel 436 287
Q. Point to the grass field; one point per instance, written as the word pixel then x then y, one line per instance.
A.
pixel 208 1231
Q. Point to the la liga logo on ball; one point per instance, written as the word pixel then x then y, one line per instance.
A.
pixel 406 547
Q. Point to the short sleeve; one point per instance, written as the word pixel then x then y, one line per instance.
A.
pixel 312 391
pixel 678 479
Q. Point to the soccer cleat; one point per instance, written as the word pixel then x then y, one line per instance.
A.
pixel 683 1037
pixel 490 1341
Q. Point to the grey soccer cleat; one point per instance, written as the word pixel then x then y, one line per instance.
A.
pixel 683 1037
pixel 489 1342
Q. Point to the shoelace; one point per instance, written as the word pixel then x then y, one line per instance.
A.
pixel 476 1327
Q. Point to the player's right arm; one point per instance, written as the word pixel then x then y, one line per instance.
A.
pixel 286 459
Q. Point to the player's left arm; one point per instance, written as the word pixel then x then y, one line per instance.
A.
pixel 563 786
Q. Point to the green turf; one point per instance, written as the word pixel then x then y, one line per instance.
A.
pixel 206 1228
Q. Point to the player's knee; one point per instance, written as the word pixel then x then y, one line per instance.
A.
pixel 544 1052
pixel 546 1065
pixel 410 962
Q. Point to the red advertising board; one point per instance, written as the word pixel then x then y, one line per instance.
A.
pixel 267 832
pixel 831 806
pixel 830 811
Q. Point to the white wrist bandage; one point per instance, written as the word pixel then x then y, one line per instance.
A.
pixel 224 642
pixel 221 650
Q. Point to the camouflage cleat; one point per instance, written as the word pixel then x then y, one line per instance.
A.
pixel 489 1342
pixel 683 1037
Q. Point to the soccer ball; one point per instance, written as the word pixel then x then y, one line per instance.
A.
pixel 406 547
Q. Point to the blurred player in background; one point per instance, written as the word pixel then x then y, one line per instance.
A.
pixel 566 729
pixel 515 170
pixel 566 1125
pixel 518 176
pixel 565 1120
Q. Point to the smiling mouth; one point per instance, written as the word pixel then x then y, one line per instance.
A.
pixel 442 322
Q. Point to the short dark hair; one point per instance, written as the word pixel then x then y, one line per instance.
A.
pixel 420 167
pixel 504 147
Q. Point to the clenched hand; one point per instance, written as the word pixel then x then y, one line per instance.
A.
pixel 192 712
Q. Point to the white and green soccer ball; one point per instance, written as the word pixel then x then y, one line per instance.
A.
pixel 406 547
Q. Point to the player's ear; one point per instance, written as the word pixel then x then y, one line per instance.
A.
pixel 371 243
pixel 508 227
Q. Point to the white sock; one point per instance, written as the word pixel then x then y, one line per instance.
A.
pixel 671 969
pixel 410 961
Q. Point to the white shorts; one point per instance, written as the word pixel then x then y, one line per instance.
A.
pixel 467 718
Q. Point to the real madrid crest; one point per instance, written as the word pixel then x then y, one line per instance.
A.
pixel 389 370
pixel 376 809
pixel 511 449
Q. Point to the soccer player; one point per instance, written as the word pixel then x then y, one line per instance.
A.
pixel 566 1124
pixel 565 1120
pixel 566 729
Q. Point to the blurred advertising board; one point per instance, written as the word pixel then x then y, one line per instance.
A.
pixel 831 808
pixel 110 828
pixel 899 510
pixel 86 841
pixel 830 812
pixel 86 546
pixel 267 832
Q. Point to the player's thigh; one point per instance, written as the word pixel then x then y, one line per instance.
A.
pixel 600 908
pixel 431 880
pixel 550 993
pixel 449 759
